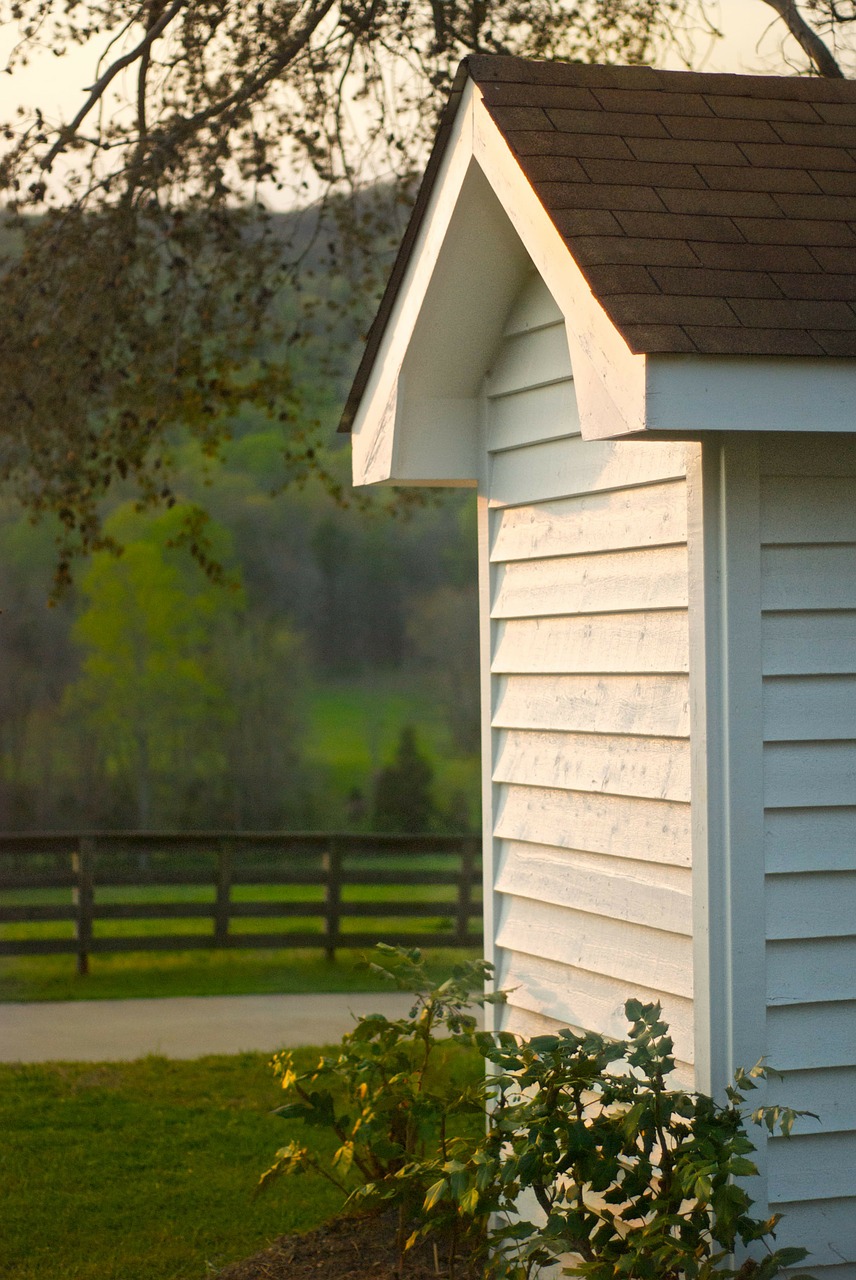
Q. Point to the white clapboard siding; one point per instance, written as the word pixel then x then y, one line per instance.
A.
pixel 816 969
pixel 610 582
pixel 535 308
pixel 548 413
pixel 819 1166
pixel 810 839
pixel 632 891
pixel 809 577
pixel 809 774
pixel 653 705
pixel 582 999
pixel 807 509
pixel 611 947
pixel 652 516
pixel 648 831
pixel 821 643
pixel 809 708
pixel 646 643
pixel 560 468
pixel 654 768
pixel 782 455
pixel 827 1228
pixel 829 1092
pixel 812 905
pixel 811 1036
pixel 529 360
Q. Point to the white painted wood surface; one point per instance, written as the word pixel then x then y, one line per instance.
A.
pixel 810 840
pixel 613 704
pixel 811 1036
pixel 644 643
pixel 809 708
pixel 532 417
pixel 612 582
pixel 652 768
pixel 559 469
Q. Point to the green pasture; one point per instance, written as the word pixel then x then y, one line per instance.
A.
pixel 144 1170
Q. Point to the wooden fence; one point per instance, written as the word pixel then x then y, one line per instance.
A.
pixel 327 883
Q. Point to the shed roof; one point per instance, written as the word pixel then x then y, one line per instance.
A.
pixel 710 214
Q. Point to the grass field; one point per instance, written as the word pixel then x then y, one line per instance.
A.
pixel 197 973
pixel 144 1170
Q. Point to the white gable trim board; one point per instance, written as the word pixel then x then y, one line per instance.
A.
pixel 668 662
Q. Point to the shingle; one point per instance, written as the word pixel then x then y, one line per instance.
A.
pixel 816 206
pixel 787 313
pixel 753 257
pixel 743 341
pixel 835 342
pixel 651 100
pixel 620 278
pixel 835 184
pixel 831 258
pixel 837 112
pixel 606 122
pixel 676 309
pixel 640 173
pixel 826 284
pixel 751 178
pixel 750 204
pixel 820 134
pixel 521 118
pixel 702 281
pixel 537 142
pixel 588 195
pixel 678 225
pixel 760 108
pixel 668 339
pixel 547 168
pixel 506 93
pixel 713 128
pixel 586 222
pixel 796 231
pixel 790 156
pixel 593 249
pixel 684 150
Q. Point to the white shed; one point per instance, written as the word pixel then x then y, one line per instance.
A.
pixel 625 309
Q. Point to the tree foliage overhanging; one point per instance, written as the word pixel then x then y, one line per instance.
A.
pixel 145 289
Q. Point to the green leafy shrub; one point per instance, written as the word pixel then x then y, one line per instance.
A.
pixel 400 1096
pixel 635 1178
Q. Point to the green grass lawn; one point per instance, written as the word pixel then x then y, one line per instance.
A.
pixel 131 975
pixel 144 1170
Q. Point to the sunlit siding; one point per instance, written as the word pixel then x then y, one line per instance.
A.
pixel 589 742
pixel 808 599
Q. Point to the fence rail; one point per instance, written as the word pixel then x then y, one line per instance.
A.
pixel 323 883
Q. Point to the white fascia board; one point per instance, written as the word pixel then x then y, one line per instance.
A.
pixel 609 378
pixel 688 395
pixel 373 435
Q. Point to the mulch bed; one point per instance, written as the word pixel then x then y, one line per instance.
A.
pixel 346 1249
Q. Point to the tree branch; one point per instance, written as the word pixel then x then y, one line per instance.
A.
pixel 97 90
pixel 818 53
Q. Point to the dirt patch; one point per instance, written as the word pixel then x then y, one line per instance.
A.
pixel 347 1249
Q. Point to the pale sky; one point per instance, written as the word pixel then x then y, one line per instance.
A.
pixel 752 43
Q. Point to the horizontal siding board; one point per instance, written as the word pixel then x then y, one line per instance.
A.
pixel 810 840
pixel 647 643
pixel 820 970
pixel 812 1036
pixel 587 1001
pixel 801 774
pixel 607 582
pixel 530 359
pixel 642 830
pixel 811 905
pixel 562 468
pixel 808 509
pixel 627 952
pixel 597 884
pixel 786 455
pixel 657 705
pixel 822 643
pixel 534 308
pixel 810 577
pixel 812 1167
pixel 809 708
pixel 830 1093
pixel 654 768
pixel 826 1228
pixel 533 416
pixel 654 515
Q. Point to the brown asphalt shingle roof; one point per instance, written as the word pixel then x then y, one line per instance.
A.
pixel 709 213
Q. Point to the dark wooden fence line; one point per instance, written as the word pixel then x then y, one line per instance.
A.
pixel 85 862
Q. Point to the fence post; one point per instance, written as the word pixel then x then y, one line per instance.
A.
pixel 469 849
pixel 333 897
pixel 222 904
pixel 83 897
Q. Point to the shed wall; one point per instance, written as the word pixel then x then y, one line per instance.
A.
pixel 588 783
pixel 808 628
